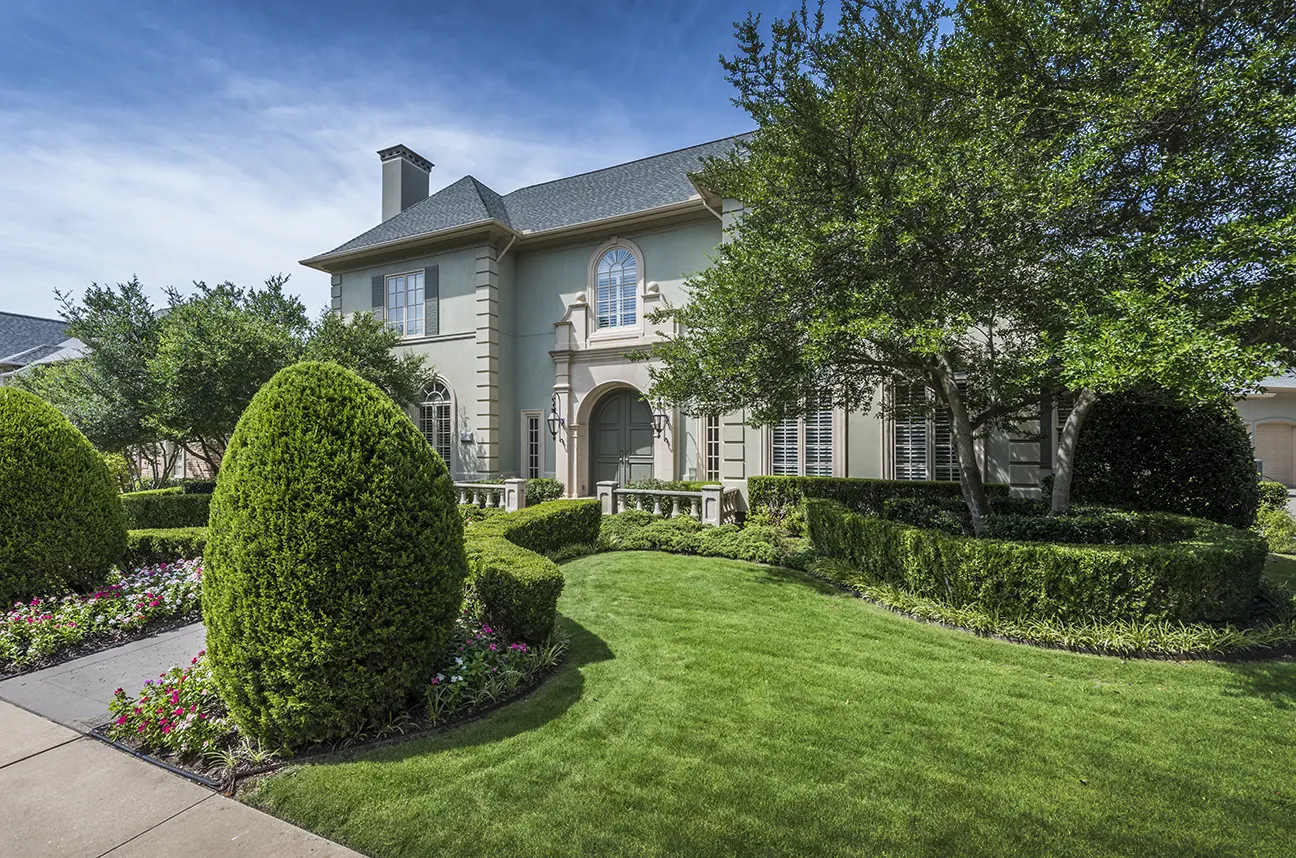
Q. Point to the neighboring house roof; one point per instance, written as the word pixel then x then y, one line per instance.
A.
pixel 636 186
pixel 18 333
pixel 1281 382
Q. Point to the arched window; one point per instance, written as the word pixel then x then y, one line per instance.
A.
pixel 434 419
pixel 616 289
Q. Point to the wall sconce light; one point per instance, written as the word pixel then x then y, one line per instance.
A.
pixel 659 417
pixel 554 420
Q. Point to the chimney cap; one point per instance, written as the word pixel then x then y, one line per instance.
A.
pixel 400 150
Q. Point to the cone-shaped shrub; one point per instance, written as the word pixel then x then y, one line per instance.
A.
pixel 334 562
pixel 61 524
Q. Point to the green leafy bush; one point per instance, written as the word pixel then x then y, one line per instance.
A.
pixel 118 468
pixel 1278 529
pixel 61 524
pixel 1026 520
pixel 473 514
pixel 517 585
pixel 1213 576
pixel 334 563
pixel 541 489
pixel 1273 495
pixel 1141 451
pixel 148 546
pixel 777 500
pixel 636 530
pixel 165 508
pixel 197 487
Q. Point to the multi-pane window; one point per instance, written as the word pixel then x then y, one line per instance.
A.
pixel 532 447
pixel 923 446
pixel 803 446
pixel 435 421
pixel 405 303
pixel 616 289
pixel 711 447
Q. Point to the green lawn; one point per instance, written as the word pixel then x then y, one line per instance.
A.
pixel 711 707
pixel 1282 569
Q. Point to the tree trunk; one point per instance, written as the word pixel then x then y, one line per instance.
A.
pixel 974 493
pixel 1066 449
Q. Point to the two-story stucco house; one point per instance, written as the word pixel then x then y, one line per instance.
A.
pixel 527 304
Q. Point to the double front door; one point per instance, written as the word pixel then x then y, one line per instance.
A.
pixel 622 438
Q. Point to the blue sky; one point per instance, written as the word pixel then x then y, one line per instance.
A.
pixel 226 140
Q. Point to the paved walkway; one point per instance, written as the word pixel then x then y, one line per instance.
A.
pixel 70 796
pixel 65 794
pixel 76 693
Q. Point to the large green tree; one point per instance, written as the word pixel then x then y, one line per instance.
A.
pixel 184 374
pixel 937 195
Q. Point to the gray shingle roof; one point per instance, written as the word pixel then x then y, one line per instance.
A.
pixel 624 189
pixel 1282 382
pixel 19 333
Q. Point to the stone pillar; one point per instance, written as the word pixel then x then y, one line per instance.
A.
pixel 606 492
pixel 488 360
pixel 514 494
pixel 713 505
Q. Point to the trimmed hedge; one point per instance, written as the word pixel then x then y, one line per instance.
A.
pixel 1213 576
pixel 334 568
pixel 165 508
pixel 542 489
pixel 146 547
pixel 636 530
pixel 777 500
pixel 1143 451
pixel 61 525
pixel 1273 495
pixel 1278 528
pixel 517 586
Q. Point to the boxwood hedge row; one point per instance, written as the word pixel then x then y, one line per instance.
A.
pixel 1212 576
pixel 773 500
pixel 165 508
pixel 148 546
pixel 519 587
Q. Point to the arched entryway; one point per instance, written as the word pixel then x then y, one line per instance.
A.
pixel 621 438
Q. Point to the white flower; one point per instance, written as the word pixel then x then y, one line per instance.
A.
pixel 459 661
pixel 455 678
pixel 440 677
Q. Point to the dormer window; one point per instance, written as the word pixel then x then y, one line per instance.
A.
pixel 616 289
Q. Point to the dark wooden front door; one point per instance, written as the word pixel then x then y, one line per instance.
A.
pixel 622 433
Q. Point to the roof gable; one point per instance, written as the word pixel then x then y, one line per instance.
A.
pixel 636 186
pixel 18 333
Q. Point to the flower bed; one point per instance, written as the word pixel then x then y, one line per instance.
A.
pixel 130 604
pixel 179 717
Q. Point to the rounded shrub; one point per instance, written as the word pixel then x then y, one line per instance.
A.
pixel 61 524
pixel 334 561
pixel 1141 451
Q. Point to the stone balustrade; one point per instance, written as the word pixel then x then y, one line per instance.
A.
pixel 510 495
pixel 712 505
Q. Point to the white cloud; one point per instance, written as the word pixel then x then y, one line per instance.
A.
pixel 252 179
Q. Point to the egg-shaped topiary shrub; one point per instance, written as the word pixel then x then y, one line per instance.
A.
pixel 1144 451
pixel 61 524
pixel 334 566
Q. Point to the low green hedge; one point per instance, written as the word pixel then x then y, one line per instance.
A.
pixel 777 500
pixel 517 585
pixel 542 489
pixel 1273 495
pixel 1278 529
pixel 148 546
pixel 642 531
pixel 165 508
pixel 1212 576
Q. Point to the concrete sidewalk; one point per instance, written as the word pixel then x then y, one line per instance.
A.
pixel 76 694
pixel 70 796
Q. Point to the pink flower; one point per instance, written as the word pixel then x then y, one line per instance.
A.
pixel 122 720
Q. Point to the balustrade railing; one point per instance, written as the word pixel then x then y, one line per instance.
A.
pixel 509 495
pixel 712 505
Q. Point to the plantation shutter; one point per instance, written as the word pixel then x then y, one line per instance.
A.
pixel 431 300
pixel 379 302
pixel 909 451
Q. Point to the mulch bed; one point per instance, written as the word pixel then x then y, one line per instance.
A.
pixel 99 643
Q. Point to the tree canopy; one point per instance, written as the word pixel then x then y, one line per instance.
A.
pixel 996 200
pixel 185 372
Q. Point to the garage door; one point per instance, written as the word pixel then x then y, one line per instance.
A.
pixel 1274 448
